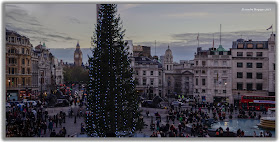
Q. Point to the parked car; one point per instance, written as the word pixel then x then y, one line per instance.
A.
pixel 177 103
pixel 149 103
pixel 8 105
pixel 33 103
pixel 62 103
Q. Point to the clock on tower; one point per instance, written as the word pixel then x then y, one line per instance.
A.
pixel 78 55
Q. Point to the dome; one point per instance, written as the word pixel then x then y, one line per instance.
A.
pixel 168 51
pixel 220 48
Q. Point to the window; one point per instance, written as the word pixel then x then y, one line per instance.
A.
pixel 216 91
pixel 23 81
pixel 224 81
pixel 203 63
pixel 224 72
pixel 23 71
pixel 13 70
pixel 240 45
pixel 239 86
pixel 249 54
pixel 259 86
pixel 259 65
pixel 249 75
pixel 240 54
pixel 215 80
pixel 239 75
pixel 259 75
pixel 159 81
pixel 196 62
pixel 259 54
pixel 216 63
pixel 196 81
pixel 196 90
pixel 152 72
pixel 203 91
pixel 152 81
pixel 249 86
pixel 203 71
pixel 144 72
pixel 215 72
pixel 203 81
pixel 273 66
pixel 249 65
pixel 224 63
pixel 224 91
pixel 144 81
pixel 136 72
pixel 250 46
pixel 159 73
pixel 196 72
pixel 169 83
pixel 260 45
pixel 240 65
pixel 22 50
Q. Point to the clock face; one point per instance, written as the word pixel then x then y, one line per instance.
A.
pixel 77 56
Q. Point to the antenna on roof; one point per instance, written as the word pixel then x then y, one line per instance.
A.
pixel 220 33
pixel 155 47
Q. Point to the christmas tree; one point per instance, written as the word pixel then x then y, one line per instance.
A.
pixel 112 102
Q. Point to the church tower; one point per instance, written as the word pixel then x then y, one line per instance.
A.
pixel 168 61
pixel 78 55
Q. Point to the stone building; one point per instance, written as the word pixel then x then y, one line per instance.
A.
pixel 45 68
pixel 35 73
pixel 177 77
pixel 18 66
pixel 212 75
pixel 271 64
pixel 250 66
pixel 148 76
pixel 142 51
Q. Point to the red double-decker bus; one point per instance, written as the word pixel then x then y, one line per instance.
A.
pixel 257 102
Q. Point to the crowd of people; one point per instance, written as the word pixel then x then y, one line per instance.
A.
pixel 195 122
pixel 35 121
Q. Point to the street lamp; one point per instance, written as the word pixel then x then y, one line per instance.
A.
pixel 225 91
pixel 9 82
pixel 238 99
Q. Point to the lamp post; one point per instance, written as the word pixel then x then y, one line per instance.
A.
pixel 9 82
pixel 225 91
pixel 238 100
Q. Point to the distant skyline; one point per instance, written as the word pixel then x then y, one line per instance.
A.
pixel 62 25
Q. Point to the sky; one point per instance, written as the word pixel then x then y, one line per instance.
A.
pixel 177 25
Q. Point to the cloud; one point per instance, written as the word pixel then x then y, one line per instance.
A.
pixel 124 7
pixel 74 20
pixel 60 37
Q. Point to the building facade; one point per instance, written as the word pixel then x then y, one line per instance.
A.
pixel 177 77
pixel 18 66
pixel 271 62
pixel 250 65
pixel 35 73
pixel 45 68
pixel 212 75
pixel 142 51
pixel 147 74
pixel 78 56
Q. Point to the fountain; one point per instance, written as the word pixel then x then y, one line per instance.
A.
pixel 268 122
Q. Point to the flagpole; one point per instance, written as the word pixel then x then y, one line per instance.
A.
pixel 198 40
pixel 272 28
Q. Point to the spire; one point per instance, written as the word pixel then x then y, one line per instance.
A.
pixel 168 45
pixel 213 41
pixel 78 45
pixel 44 45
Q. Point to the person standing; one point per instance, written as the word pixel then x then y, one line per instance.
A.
pixel 50 126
